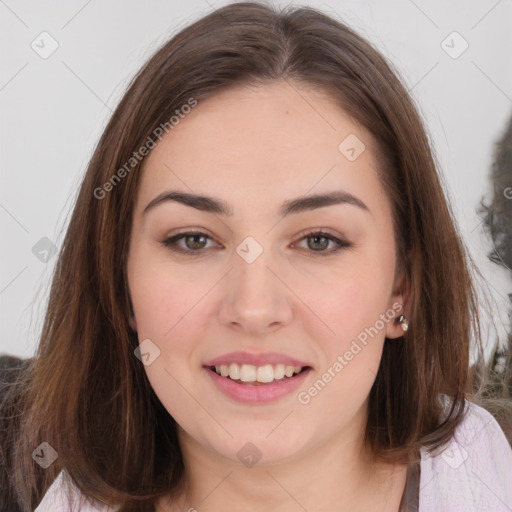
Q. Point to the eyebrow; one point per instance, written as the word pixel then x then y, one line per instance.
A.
pixel 291 206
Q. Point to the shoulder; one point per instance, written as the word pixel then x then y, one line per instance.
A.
pixel 473 471
pixel 63 496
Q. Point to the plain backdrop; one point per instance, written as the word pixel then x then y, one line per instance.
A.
pixel 455 57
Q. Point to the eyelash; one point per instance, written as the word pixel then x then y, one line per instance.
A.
pixel 170 243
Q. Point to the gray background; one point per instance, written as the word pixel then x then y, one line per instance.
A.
pixel 53 109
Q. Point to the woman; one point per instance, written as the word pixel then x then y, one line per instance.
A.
pixel 262 300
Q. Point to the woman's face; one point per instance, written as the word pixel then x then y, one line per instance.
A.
pixel 256 288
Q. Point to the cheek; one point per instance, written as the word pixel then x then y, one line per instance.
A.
pixel 169 312
pixel 355 352
pixel 162 298
pixel 352 356
pixel 351 299
pixel 352 302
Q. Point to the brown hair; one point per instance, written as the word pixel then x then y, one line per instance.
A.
pixel 88 395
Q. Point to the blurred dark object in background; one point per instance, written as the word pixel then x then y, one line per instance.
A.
pixel 10 415
pixel 497 217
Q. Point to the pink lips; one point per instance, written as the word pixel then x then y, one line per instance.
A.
pixel 255 393
pixel 255 359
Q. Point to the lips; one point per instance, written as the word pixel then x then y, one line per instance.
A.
pixel 256 378
pixel 255 392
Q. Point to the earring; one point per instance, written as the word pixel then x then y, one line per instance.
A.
pixel 404 322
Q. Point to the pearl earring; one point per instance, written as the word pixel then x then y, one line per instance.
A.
pixel 404 322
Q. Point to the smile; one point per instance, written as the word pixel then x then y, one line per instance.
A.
pixel 248 373
pixel 252 391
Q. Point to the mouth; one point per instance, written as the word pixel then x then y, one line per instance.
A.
pixel 251 375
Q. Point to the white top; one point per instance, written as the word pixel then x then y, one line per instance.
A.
pixel 472 473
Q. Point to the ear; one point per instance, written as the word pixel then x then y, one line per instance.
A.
pixel 399 303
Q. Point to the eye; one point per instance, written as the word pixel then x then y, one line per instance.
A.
pixel 194 242
pixel 318 242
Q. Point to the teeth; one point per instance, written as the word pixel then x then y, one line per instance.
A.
pixel 250 373
pixel 233 371
pixel 278 371
pixel 247 373
pixel 265 373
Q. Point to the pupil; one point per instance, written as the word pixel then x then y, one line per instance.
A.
pixel 194 244
pixel 316 241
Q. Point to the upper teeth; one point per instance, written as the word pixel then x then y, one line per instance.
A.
pixel 250 373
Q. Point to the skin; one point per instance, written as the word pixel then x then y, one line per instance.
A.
pixel 255 147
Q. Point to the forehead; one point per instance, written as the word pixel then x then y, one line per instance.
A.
pixel 263 143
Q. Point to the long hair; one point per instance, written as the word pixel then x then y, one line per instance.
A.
pixel 87 395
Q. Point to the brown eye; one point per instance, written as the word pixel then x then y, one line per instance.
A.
pixel 194 243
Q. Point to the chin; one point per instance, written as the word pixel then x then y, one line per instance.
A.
pixel 260 448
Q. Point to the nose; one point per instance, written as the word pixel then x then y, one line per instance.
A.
pixel 256 299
